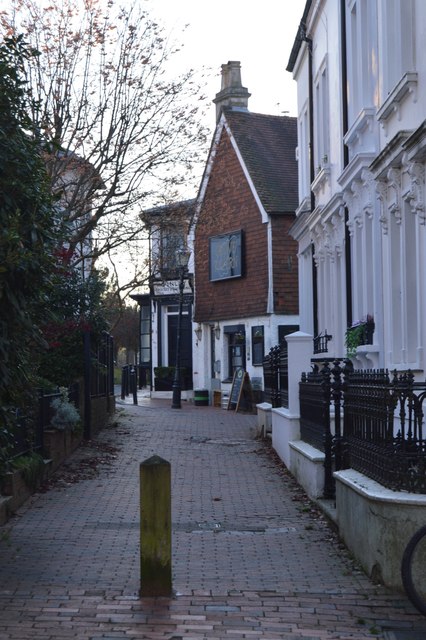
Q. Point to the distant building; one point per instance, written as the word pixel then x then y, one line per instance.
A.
pixel 75 182
pixel 168 233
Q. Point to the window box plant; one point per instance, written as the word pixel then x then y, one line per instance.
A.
pixel 360 333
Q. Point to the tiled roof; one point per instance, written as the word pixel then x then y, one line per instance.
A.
pixel 268 145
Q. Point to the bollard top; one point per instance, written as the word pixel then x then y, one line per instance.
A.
pixel 154 460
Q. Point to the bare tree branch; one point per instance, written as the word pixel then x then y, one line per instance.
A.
pixel 121 133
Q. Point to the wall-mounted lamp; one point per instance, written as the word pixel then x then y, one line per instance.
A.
pixel 199 332
pixel 217 331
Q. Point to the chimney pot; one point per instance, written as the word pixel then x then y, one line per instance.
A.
pixel 232 93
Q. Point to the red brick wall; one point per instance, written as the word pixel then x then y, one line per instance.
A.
pixel 285 266
pixel 229 206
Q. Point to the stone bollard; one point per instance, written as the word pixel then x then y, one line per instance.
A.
pixel 155 527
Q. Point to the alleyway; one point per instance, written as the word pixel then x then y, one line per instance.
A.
pixel 252 558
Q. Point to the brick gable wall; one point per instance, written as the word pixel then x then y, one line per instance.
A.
pixel 229 206
pixel 285 266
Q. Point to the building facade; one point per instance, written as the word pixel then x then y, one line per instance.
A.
pixel 361 82
pixel 167 228
pixel 356 368
pixel 245 262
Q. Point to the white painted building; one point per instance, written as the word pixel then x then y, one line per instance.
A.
pixel 361 81
pixel 360 70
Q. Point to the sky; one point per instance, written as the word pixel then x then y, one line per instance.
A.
pixel 260 35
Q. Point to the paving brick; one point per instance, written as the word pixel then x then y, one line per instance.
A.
pixel 248 560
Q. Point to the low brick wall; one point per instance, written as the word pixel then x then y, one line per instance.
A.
pixel 102 408
pixel 15 491
pixel 59 445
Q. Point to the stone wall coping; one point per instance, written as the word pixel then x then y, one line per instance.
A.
pixel 283 411
pixel 376 492
pixel 307 450
pixel 299 336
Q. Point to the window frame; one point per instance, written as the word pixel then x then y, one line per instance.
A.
pixel 221 256
pixel 257 338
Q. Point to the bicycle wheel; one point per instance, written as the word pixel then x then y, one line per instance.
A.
pixel 413 570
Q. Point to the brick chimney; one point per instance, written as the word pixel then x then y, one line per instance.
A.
pixel 232 93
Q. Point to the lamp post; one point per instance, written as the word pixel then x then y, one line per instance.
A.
pixel 183 258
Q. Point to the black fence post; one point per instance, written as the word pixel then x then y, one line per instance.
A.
pixel 41 421
pixel 347 369
pixel 133 384
pixel 275 360
pixel 125 381
pixel 336 393
pixel 328 438
pixel 87 387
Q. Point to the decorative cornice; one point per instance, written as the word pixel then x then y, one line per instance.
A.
pixel 382 190
pixel 394 192
pixel 415 196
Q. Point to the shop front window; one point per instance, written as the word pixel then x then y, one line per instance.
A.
pixel 237 352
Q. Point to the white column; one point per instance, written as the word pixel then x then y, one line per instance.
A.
pixel 300 352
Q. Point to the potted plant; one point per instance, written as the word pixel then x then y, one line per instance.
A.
pixel 66 416
pixel 369 329
pixel 358 334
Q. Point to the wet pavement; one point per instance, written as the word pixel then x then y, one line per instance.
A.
pixel 252 556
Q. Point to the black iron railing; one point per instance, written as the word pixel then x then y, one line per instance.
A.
pixel 283 374
pixel 321 343
pixel 314 396
pixel 315 429
pixel 102 366
pixel 28 431
pixel 29 427
pixel 275 376
pixel 378 429
pixel 384 429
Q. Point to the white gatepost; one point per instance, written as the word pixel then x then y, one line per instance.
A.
pixel 286 421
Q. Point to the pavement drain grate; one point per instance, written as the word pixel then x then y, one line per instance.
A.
pixel 198 527
pixel 230 529
pixel 198 439
pixel 222 443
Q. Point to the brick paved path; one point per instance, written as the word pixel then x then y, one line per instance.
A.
pixel 251 557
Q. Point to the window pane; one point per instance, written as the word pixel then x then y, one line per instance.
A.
pixel 145 340
pixel 258 343
pixel 225 256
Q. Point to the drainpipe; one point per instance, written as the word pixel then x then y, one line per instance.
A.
pixel 311 112
pixel 348 261
pixel 311 167
pixel 344 79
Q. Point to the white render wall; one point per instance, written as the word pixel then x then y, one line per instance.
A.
pixel 202 349
pixel 382 187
